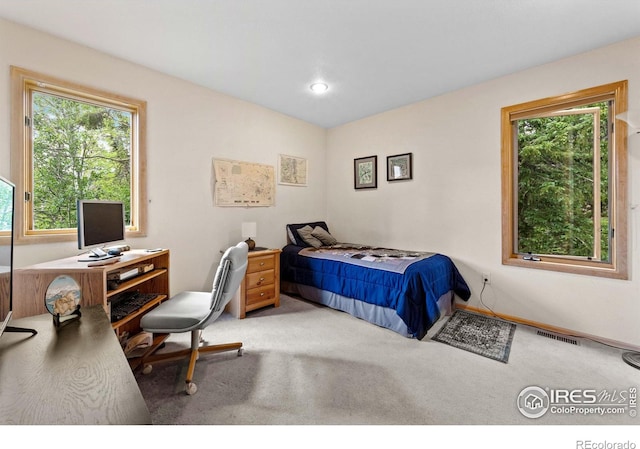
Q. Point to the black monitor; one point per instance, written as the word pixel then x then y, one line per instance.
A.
pixel 100 222
pixel 7 218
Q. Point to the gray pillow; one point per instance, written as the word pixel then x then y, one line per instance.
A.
pixel 295 238
pixel 309 239
pixel 322 235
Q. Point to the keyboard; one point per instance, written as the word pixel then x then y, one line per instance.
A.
pixel 97 258
pixel 129 302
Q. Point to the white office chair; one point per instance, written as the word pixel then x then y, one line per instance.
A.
pixel 193 311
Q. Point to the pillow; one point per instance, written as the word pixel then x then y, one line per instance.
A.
pixel 310 240
pixel 295 238
pixel 322 235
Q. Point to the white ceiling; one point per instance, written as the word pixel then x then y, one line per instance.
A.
pixel 375 55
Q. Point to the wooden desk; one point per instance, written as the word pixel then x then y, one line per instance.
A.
pixel 76 374
pixel 31 283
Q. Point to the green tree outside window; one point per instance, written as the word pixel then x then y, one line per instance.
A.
pixel 80 151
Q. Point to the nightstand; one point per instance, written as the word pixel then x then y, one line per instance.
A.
pixel 261 284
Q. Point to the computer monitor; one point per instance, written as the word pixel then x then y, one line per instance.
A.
pixel 6 250
pixel 7 217
pixel 100 222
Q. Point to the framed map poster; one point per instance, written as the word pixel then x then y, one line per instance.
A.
pixel 243 184
pixel 292 170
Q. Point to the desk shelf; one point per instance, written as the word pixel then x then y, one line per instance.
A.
pixel 138 280
pixel 119 325
pixel 158 339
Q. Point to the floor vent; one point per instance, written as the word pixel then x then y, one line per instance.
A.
pixel 559 337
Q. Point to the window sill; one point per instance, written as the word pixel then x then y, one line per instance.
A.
pixel 587 268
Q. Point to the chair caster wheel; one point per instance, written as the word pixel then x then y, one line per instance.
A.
pixel 147 369
pixel 240 352
pixel 191 388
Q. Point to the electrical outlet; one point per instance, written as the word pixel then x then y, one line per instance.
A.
pixel 486 278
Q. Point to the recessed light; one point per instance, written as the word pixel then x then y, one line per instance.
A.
pixel 319 87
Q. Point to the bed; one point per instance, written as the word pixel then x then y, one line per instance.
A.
pixel 405 291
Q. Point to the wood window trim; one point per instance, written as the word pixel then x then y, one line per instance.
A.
pixel 617 268
pixel 21 152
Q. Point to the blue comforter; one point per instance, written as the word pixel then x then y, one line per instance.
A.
pixel 413 295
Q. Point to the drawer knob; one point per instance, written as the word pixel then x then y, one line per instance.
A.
pixel 261 263
pixel 262 294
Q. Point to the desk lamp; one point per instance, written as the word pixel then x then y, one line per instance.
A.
pixel 249 230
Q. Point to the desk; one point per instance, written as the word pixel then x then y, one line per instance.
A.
pixel 31 284
pixel 76 374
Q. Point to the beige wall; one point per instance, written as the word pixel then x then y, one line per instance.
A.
pixel 452 205
pixel 187 126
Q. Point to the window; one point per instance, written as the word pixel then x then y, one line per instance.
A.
pixel 564 178
pixel 71 142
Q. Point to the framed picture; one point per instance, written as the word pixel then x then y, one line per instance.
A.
pixel 365 172
pixel 399 167
pixel 292 170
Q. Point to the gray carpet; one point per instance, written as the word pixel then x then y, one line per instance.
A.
pixel 482 335
pixel 307 364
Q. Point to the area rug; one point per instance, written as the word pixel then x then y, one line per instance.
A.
pixel 479 334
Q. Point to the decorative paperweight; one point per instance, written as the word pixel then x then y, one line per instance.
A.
pixel 62 299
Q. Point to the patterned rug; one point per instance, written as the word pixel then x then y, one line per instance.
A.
pixel 479 334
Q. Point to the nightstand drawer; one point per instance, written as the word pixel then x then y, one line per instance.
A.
pixel 260 263
pixel 261 294
pixel 261 278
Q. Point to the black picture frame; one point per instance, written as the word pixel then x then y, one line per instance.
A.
pixel 400 167
pixel 365 172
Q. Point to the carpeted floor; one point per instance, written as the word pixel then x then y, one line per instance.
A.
pixel 482 335
pixel 306 364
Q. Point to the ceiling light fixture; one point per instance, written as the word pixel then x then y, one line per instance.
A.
pixel 319 88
